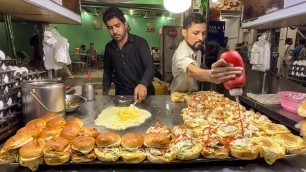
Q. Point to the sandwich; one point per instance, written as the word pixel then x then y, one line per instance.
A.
pixel 17 141
pixel 10 156
pixel 70 132
pixel 187 148
pixel 56 151
pixel 132 150
pixel 107 147
pixel 89 131
pixel 244 149
pixel 58 122
pixel 158 148
pixel 75 122
pixel 83 149
pixel 32 130
pixel 37 123
pixel 181 130
pixel 269 149
pixel 161 129
pixel 214 147
pixel 302 109
pixel 49 116
pixel 31 154
pixel 48 133
pixel 293 144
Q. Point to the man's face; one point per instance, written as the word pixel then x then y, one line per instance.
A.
pixel 195 35
pixel 116 29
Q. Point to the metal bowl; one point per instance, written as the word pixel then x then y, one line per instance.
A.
pixel 74 102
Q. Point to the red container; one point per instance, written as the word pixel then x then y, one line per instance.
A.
pixel 290 100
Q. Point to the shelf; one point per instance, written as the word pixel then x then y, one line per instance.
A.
pixel 38 10
pixel 289 16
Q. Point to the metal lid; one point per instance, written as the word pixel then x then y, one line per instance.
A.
pixel 43 83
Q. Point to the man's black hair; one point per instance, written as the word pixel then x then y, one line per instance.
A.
pixel 113 12
pixel 193 18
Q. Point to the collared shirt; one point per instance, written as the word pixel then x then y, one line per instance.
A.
pixel 182 57
pixel 128 67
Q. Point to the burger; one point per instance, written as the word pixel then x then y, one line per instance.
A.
pixel 31 154
pixel 32 130
pixel 187 148
pixel 39 124
pixel 158 148
pixel 17 141
pixel 49 116
pixel 70 132
pixel 89 131
pixel 10 156
pixel 214 147
pixel 132 150
pixel 161 129
pixel 56 151
pixel 56 123
pixel 48 133
pixel 107 147
pixel 75 122
pixel 83 149
pixel 243 149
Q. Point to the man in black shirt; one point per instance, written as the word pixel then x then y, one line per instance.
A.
pixel 128 61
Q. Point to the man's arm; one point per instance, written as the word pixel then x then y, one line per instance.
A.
pixel 108 72
pixel 220 71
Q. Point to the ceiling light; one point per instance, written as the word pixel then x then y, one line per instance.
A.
pixel 177 6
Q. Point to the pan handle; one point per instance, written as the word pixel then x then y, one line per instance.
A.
pixel 32 91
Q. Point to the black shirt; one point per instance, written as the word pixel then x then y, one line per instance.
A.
pixel 128 67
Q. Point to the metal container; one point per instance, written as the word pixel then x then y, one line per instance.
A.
pixel 79 100
pixel 41 97
pixel 88 91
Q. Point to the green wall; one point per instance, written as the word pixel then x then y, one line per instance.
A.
pixel 22 33
pixel 85 33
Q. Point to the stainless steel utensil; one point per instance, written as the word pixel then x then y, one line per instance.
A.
pixel 74 98
pixel 136 101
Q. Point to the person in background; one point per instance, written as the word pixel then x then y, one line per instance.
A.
pixel 302 54
pixel 185 68
pixel 127 59
pixel 285 59
pixel 297 50
pixel 92 54
pixel 83 53
pixel 225 42
pixel 37 62
pixel 22 58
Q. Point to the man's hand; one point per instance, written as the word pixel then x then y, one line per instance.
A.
pixel 140 92
pixel 222 71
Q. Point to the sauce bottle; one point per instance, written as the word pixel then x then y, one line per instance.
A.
pixel 234 85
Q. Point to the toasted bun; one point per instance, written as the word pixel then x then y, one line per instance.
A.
pixel 293 144
pixel 272 129
pixel 31 163
pixel 49 116
pixel 56 122
pixel 70 132
pixel 37 123
pixel 75 122
pixel 57 146
pixel 57 160
pixel 133 157
pixel 302 109
pixel 80 157
pixel 303 128
pixel 153 140
pixel 9 156
pixel 17 141
pixel 269 149
pixel 189 154
pixel 131 141
pixel 104 155
pixel 33 131
pixel 160 158
pixel 215 153
pixel 89 131
pixel 32 149
pixel 244 154
pixel 108 139
pixel 48 133
pixel 84 144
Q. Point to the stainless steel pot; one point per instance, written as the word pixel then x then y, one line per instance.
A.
pixel 41 97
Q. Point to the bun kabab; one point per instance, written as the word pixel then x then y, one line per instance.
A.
pixel 57 122
pixel 292 143
pixel 187 148
pixel 107 147
pixel 48 133
pixel 31 154
pixel 158 148
pixel 75 122
pixel 17 141
pixel 243 149
pixel 161 129
pixel 214 147
pixel 32 130
pixel 49 116
pixel 83 149
pixel 56 151
pixel 89 131
pixel 132 150
pixel 38 124
pixel 70 132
